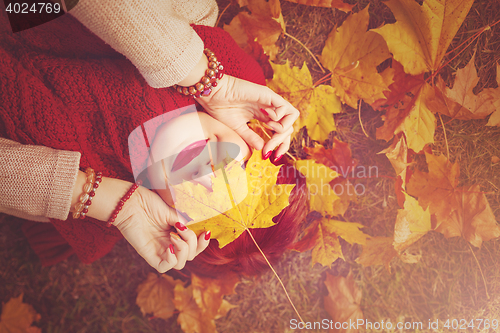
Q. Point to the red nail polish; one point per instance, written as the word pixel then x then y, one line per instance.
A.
pixel 278 158
pixel 171 247
pixel 179 226
pixel 207 235
pixel 264 112
pixel 267 154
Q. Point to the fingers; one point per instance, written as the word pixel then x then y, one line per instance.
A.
pixel 279 141
pixel 187 247
pixel 250 137
pixel 161 261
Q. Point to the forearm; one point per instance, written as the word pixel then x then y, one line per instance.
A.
pixel 151 34
pixel 36 180
pixel 106 198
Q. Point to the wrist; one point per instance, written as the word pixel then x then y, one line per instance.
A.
pixel 196 73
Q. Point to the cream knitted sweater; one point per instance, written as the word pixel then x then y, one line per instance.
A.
pixel 37 182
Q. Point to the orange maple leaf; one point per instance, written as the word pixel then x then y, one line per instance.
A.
pixel 18 316
pixel 378 251
pixel 338 158
pixel 343 300
pixel 155 295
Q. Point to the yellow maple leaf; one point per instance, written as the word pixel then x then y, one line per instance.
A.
pixel 17 316
pixel 239 199
pixel 322 236
pixel 420 37
pixel 412 223
pixel 318 177
pixel 316 104
pixel 352 54
pixel 339 4
pixel 155 295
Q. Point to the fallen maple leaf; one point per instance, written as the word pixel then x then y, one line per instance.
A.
pixel 436 188
pixel 495 95
pixel 208 293
pixel 407 110
pixel 191 317
pixel 339 4
pixel 322 236
pixel 476 106
pixel 264 25
pixel 412 223
pixel 338 158
pixel 227 210
pixel 343 301
pixel 473 220
pixel 352 54
pixel 420 37
pixel 397 153
pixel 17 316
pixel 316 104
pixel 155 295
pixel 318 177
pixel 378 251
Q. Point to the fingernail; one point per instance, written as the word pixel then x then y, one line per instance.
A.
pixel 180 226
pixel 267 155
pixel 264 112
pixel 207 235
pixel 278 158
pixel 175 236
pixel 171 247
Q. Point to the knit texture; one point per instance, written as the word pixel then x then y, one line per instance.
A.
pixel 64 88
pixel 155 35
pixel 46 177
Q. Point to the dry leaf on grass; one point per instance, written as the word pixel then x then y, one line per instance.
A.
pixel 191 317
pixel 412 223
pixel 494 119
pixel 17 317
pixel 339 4
pixel 318 177
pixel 338 158
pixel 473 220
pixel 155 295
pixel 343 300
pixel 378 251
pixel 264 25
pixel 407 110
pixel 323 237
pixel 397 153
pixel 422 33
pixel 316 104
pixel 253 192
pixel 352 54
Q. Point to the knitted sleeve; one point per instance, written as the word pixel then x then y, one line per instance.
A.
pixel 154 35
pixel 36 182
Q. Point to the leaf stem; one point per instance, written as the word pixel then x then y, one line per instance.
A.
pixel 277 276
pixel 445 138
pixel 218 20
pixel 359 116
pixel 308 51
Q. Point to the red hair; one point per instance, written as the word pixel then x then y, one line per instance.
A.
pixel 242 256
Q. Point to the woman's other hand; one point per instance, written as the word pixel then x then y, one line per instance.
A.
pixel 148 224
pixel 235 102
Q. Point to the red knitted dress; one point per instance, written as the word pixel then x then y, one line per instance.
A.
pixel 63 87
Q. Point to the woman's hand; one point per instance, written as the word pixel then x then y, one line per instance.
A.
pixel 147 223
pixel 235 102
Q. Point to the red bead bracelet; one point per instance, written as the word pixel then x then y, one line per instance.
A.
pixel 122 201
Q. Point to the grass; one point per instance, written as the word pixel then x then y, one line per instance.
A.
pixel 446 282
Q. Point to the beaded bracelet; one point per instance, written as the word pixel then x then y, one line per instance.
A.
pixel 122 202
pixel 85 200
pixel 212 76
